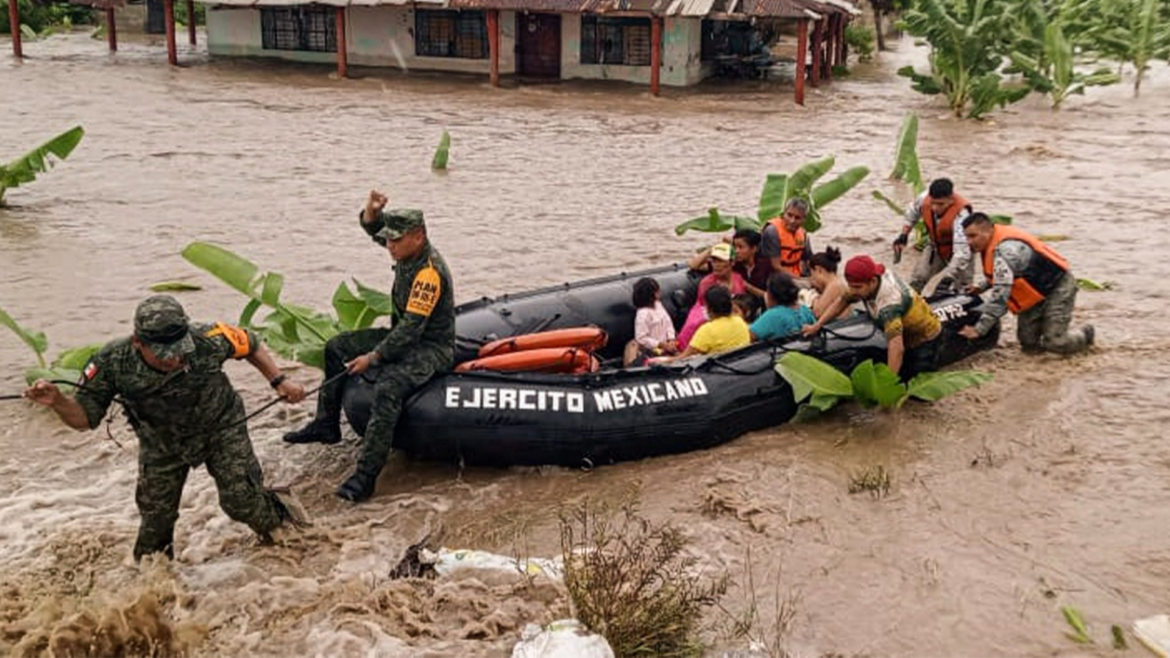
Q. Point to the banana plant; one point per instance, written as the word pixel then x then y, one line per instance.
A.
pixel 66 367
pixel 964 63
pixel 1046 57
pixel 39 160
pixel 778 190
pixel 293 331
pixel 1133 31
pixel 821 386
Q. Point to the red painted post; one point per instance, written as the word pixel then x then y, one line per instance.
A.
pixel 191 22
pixel 655 53
pixel 14 23
pixel 815 51
pixel 342 47
pixel 169 19
pixel 830 46
pixel 111 29
pixel 842 47
pixel 493 28
pixel 801 51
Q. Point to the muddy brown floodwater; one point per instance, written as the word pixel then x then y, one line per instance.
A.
pixel 1048 487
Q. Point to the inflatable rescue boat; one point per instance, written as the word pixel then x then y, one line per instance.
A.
pixel 539 380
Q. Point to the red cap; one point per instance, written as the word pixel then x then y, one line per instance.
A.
pixel 861 269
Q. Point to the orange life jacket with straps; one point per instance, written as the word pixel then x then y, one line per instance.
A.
pixel 942 229
pixel 791 246
pixel 1040 276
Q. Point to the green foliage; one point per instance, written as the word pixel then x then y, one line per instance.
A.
pixel 1054 72
pixel 25 168
pixel 860 39
pixel 964 63
pixel 174 286
pixel 778 190
pixel 1080 632
pixel 906 168
pixel 68 364
pixel 42 17
pixel 1130 31
pixel 633 582
pixel 870 384
pixel 295 332
pixel 1095 286
pixel 181 13
pixel 442 152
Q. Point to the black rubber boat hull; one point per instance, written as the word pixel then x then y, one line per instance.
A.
pixel 619 415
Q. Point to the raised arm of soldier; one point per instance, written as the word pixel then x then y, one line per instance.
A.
pixel 370 217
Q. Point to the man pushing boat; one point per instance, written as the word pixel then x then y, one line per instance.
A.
pixel 420 343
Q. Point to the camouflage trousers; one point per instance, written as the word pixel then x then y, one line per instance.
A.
pixel 930 264
pixel 395 383
pixel 231 463
pixel 1045 325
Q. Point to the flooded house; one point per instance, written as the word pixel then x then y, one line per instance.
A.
pixel 651 42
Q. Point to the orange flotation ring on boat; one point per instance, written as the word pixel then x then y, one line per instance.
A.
pixel 547 360
pixel 584 338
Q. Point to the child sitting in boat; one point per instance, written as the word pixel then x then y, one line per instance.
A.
pixel 785 315
pixel 724 332
pixel 653 328
pixel 746 306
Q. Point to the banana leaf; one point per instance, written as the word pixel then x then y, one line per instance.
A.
pixel 810 376
pixel 923 84
pixel 25 168
pixel 34 339
pixel 716 222
pixel 439 162
pixel 890 203
pixel 1000 219
pixel 932 386
pixel 77 357
pixel 812 221
pixel 875 384
pixel 834 189
pixel 906 167
pixel 243 275
pixel 773 197
pixel 801 181
pixel 174 286
pixel 1080 632
pixel 27 32
pixel 1094 286
pixel 360 310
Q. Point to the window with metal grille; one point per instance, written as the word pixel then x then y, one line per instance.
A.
pixel 298 28
pixel 612 40
pixel 444 33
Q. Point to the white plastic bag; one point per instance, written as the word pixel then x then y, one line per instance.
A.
pixel 565 638
pixel 447 561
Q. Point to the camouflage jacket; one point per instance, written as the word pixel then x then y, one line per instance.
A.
pixel 174 414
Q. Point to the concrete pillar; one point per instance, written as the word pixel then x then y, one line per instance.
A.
pixel 169 19
pixel 655 53
pixel 342 48
pixel 493 29
pixel 801 52
pixel 111 29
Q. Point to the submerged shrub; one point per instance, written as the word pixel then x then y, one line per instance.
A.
pixel 632 582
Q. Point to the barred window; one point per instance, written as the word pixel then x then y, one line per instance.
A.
pixel 311 29
pixel 610 40
pixel 444 33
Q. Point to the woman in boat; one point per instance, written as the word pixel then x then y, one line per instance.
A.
pixel 722 275
pixel 785 315
pixel 824 279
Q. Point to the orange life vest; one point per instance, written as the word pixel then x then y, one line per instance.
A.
pixel 791 246
pixel 942 231
pixel 1040 276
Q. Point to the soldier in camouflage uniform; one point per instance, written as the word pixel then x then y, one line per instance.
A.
pixel 169 378
pixel 420 343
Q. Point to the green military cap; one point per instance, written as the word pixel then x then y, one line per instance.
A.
pixel 161 323
pixel 396 222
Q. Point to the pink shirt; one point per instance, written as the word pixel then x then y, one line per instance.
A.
pixel 737 286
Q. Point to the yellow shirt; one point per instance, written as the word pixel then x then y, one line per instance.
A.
pixel 721 335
